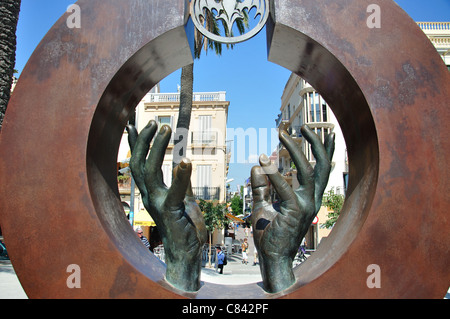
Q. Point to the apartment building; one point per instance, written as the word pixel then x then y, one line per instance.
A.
pixel 302 104
pixel 206 142
pixel 439 35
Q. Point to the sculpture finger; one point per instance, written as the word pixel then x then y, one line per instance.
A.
pixel 153 171
pixel 329 145
pixel 180 184
pixel 282 188
pixel 132 136
pixel 317 148
pixel 140 145
pixel 305 173
pixel 323 165
pixel 260 187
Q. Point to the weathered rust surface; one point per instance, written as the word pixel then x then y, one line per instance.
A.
pixel 59 205
pixel 389 90
pixel 388 87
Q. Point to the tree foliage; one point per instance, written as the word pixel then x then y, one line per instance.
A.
pixel 236 205
pixel 334 202
pixel 214 214
pixel 9 16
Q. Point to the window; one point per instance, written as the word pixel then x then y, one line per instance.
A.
pixel 324 112
pixel 326 132
pixel 204 176
pixel 204 126
pixel 316 109
pixel 166 120
pixel 311 107
pixel 162 120
pixel 204 189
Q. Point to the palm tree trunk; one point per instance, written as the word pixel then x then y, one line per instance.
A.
pixel 184 114
pixel 9 16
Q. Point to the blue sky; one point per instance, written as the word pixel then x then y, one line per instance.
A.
pixel 254 86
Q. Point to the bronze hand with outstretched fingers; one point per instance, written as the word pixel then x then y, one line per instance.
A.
pixel 174 210
pixel 278 231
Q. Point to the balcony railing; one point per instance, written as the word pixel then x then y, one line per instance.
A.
pixel 204 138
pixel 175 97
pixel 435 26
pixel 206 193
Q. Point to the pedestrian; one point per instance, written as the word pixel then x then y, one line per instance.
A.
pixel 255 257
pixel 246 230
pixel 143 239
pixel 220 259
pixel 303 245
pixel 244 251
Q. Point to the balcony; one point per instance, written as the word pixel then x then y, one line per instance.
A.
pixel 175 97
pixel 438 33
pixel 199 138
pixel 435 28
pixel 278 120
pixel 206 193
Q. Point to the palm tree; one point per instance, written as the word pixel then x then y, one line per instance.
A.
pixel 9 16
pixel 187 80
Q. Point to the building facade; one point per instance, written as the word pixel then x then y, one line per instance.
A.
pixel 302 104
pixel 439 35
pixel 206 142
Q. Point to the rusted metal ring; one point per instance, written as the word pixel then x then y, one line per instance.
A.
pixel 64 122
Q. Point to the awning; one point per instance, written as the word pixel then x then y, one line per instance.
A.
pixel 234 218
pixel 142 218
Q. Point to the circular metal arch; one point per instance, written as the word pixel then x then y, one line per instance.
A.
pixel 387 86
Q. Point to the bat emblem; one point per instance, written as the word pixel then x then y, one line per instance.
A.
pixel 228 11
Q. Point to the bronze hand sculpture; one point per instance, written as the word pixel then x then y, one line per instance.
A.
pixel 278 234
pixel 174 210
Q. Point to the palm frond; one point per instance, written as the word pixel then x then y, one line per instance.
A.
pixel 211 24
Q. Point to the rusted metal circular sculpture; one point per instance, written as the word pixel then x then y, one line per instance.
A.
pixel 387 86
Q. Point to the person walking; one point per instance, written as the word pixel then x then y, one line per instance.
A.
pixel 255 257
pixel 220 259
pixel 246 231
pixel 244 251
